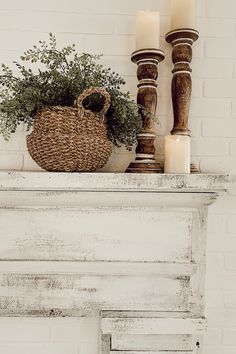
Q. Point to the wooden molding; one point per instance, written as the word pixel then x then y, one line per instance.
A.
pixel 113 182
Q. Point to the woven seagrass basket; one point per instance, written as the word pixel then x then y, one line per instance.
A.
pixel 71 139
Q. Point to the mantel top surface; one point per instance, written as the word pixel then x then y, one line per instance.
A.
pixel 115 182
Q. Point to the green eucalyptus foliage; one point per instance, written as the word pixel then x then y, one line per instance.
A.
pixel 61 76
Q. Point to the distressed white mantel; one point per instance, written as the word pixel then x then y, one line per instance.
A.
pixel 126 247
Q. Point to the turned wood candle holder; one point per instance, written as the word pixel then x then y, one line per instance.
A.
pixel 147 73
pixel 182 41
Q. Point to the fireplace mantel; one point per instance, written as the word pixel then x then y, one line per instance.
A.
pixel 41 181
pixel 128 248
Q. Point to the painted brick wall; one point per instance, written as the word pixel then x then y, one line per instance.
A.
pixel 49 336
pixel 107 26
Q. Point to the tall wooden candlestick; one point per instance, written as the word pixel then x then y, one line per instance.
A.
pixel 147 73
pixel 182 41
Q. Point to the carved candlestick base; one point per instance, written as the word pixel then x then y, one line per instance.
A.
pixel 147 73
pixel 182 41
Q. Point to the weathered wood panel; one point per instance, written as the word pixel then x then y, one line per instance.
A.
pixel 113 181
pixel 74 199
pixel 152 342
pixel 136 326
pixel 98 268
pixel 105 344
pixel 199 238
pixel 96 234
pixel 144 314
pixel 40 294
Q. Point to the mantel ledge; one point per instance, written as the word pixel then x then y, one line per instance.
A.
pixel 114 182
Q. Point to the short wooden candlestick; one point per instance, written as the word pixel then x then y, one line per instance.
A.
pixel 182 41
pixel 147 73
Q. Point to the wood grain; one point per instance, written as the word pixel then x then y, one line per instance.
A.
pixel 57 234
pixel 147 61
pixel 181 41
pixel 152 342
pixel 99 268
pixel 158 326
pixel 75 200
pixel 115 182
pixel 43 294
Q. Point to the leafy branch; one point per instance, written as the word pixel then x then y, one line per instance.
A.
pixel 61 76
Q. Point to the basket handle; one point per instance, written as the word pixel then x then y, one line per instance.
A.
pixel 89 92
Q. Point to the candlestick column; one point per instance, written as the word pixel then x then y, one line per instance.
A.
pixel 147 57
pixel 147 73
pixel 182 41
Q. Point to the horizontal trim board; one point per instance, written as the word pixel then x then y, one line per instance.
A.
pixel 112 181
pixel 153 326
pixel 96 235
pixel 82 199
pixel 145 314
pixel 152 342
pixel 98 268
pixel 27 294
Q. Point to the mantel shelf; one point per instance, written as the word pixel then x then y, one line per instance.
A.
pixel 114 182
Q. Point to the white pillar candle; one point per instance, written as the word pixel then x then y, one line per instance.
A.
pixel 182 14
pixel 147 30
pixel 177 154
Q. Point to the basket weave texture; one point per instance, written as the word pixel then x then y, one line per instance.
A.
pixel 71 139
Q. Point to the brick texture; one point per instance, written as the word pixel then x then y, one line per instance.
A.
pixel 49 336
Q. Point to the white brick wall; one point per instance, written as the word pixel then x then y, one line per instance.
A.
pixel 49 336
pixel 107 26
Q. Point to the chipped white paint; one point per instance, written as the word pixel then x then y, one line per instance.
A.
pixel 115 234
pixel 99 268
pixel 153 325
pixel 105 343
pixel 199 229
pixel 26 293
pixel 74 199
pixel 112 182
pixel 131 250
pixel 152 342
pixel 144 314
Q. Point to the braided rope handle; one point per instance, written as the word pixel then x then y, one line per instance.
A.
pixel 89 92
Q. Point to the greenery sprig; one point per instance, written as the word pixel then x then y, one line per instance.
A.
pixel 61 76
